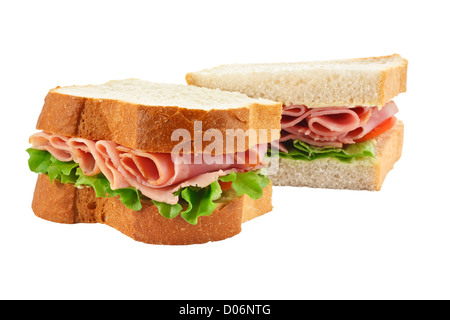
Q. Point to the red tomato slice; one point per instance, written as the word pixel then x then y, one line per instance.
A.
pixel 225 185
pixel 382 128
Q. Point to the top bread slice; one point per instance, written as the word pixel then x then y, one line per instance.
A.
pixel 143 115
pixel 352 82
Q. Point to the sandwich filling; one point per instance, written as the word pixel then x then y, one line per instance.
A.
pixel 340 132
pixel 175 185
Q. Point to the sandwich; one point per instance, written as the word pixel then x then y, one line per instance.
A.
pixel 339 125
pixel 145 158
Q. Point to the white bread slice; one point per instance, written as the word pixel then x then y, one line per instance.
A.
pixel 141 92
pixel 353 82
pixel 361 174
pixel 143 115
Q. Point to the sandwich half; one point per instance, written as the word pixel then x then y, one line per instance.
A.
pixel 138 156
pixel 339 124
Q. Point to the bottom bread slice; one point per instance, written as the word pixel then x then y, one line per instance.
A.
pixel 366 174
pixel 65 203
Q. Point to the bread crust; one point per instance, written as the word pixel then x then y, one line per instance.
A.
pixel 393 82
pixel 149 128
pixel 65 203
pixel 368 174
pixel 388 151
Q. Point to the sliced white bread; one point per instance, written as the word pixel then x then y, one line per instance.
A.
pixel 145 93
pixel 143 115
pixel 352 82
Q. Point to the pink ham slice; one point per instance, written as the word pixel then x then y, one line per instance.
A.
pixel 46 141
pixel 156 175
pixel 378 117
pixel 109 163
pixel 330 126
pixel 330 123
pixel 85 153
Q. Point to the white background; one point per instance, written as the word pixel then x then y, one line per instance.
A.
pixel 315 244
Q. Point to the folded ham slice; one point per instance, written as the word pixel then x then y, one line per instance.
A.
pixel 156 175
pixel 331 126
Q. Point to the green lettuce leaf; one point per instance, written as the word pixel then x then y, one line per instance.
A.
pixel 39 160
pixel 98 182
pixel 130 197
pixel 298 150
pixel 249 183
pixel 198 201
pixel 63 171
pixel 168 211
